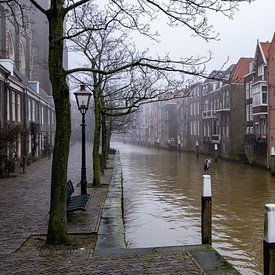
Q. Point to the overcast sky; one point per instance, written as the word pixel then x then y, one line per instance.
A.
pixel 238 37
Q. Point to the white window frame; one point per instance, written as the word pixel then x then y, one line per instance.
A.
pixel 33 110
pixel 29 109
pixel 42 115
pixel 261 70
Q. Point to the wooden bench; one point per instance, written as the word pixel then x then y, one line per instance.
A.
pixel 75 203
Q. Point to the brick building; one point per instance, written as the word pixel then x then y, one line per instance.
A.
pixel 26 103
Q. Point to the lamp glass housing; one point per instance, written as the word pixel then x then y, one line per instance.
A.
pixel 82 99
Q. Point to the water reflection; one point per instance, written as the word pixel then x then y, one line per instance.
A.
pixel 162 193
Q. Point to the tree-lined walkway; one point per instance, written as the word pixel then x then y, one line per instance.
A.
pixel 25 199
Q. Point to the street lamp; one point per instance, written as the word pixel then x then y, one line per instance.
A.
pixel 83 99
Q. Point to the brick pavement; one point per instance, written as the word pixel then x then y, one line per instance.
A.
pixel 153 263
pixel 25 200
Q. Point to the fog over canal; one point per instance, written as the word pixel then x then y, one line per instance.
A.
pixel 162 197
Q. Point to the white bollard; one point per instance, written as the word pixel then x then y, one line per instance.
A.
pixel 206 211
pixel 269 240
pixel 206 189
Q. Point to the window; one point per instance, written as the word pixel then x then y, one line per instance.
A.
pixel 53 121
pixel 247 90
pixel 29 109
pixel 264 98
pixel 18 103
pixel 8 105
pixel 13 106
pixel 42 116
pixel 205 105
pixel 261 70
pixel 33 110
pixel 247 113
pixel 227 131
pixel 263 126
pixel 49 117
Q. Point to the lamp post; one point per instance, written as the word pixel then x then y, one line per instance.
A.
pixel 83 100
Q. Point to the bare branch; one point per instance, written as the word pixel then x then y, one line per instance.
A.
pixel 75 5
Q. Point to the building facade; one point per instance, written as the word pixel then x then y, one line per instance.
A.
pixel 231 114
pixel 26 106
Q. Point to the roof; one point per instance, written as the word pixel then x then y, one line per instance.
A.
pixel 265 47
pixel 23 79
pixel 240 70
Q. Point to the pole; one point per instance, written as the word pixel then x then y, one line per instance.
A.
pixel 206 211
pixel 216 152
pixel 272 161
pixel 269 240
pixel 197 149
pixel 83 181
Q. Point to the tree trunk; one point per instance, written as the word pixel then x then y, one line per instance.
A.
pixel 104 142
pixel 109 134
pixel 57 232
pixel 96 162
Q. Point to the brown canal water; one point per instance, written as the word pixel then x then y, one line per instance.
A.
pixel 162 197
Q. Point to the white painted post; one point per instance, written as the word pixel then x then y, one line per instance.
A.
pixel 269 240
pixel 216 152
pixel 197 148
pixel 158 143
pixel 206 211
pixel 272 161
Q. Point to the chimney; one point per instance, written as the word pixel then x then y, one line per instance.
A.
pixel 34 85
pixel 7 64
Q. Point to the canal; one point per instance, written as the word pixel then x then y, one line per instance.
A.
pixel 162 197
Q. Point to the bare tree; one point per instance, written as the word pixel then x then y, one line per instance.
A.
pixel 130 14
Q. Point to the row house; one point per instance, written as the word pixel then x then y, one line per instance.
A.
pixel 209 119
pixel 189 122
pixel 169 131
pixel 26 111
pixel 231 114
pixel 215 120
pixel 260 104
pixel 209 104
pixel 26 105
pixel 155 124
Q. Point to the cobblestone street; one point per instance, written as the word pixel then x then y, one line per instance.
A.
pixel 25 199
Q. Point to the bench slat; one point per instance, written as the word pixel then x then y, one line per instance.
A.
pixel 78 202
